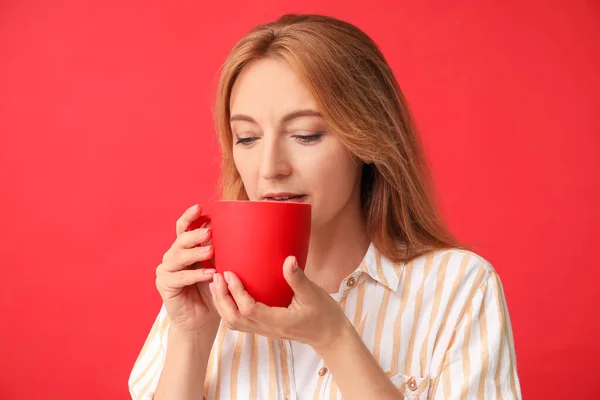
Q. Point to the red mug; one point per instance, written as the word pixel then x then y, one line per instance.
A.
pixel 253 238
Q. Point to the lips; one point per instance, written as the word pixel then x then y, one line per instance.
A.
pixel 285 197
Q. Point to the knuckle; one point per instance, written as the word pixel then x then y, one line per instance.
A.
pixel 247 310
pixel 177 257
pixel 181 240
pixel 180 278
pixel 232 322
pixel 158 283
pixel 229 324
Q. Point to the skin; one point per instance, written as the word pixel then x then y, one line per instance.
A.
pixel 281 145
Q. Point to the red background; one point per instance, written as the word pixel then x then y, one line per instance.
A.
pixel 106 137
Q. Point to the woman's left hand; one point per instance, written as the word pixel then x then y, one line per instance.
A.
pixel 313 317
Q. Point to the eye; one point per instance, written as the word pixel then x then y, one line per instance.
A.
pixel 244 141
pixel 310 138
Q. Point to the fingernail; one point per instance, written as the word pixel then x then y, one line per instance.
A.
pixel 226 276
pixel 217 278
pixel 295 265
pixel 209 271
pixel 194 207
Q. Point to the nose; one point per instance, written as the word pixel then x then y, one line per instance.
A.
pixel 274 163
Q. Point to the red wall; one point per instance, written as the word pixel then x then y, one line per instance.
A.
pixel 106 136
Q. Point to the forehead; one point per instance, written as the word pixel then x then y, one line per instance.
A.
pixel 269 88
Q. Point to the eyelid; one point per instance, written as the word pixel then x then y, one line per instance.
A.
pixel 307 136
pixel 309 139
pixel 245 135
pixel 308 133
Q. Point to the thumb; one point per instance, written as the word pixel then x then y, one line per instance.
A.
pixel 295 276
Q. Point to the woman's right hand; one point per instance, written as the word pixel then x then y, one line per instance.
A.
pixel 183 288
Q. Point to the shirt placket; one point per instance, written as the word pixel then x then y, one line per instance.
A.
pixel 324 388
pixel 324 377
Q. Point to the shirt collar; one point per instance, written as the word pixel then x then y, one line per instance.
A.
pixel 381 269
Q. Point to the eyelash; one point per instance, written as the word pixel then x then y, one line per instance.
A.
pixel 302 138
pixel 244 141
pixel 310 138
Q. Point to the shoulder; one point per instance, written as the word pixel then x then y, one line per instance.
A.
pixel 464 262
pixel 454 275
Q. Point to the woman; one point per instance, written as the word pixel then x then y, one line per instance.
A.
pixel 389 305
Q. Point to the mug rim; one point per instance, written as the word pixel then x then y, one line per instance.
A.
pixel 263 201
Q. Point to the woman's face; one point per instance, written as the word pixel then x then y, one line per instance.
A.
pixel 282 147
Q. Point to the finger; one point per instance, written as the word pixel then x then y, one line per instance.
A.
pixel 295 277
pixel 188 240
pixel 180 279
pixel 247 306
pixel 187 218
pixel 260 314
pixel 177 260
pixel 226 307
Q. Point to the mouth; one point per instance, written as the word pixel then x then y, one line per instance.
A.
pixel 285 197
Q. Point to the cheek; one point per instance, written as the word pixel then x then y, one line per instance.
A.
pixel 333 176
pixel 246 169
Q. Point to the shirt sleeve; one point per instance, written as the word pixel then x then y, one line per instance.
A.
pixel 146 371
pixel 480 362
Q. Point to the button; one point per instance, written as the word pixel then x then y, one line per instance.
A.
pixel 322 371
pixel 351 282
pixel 412 384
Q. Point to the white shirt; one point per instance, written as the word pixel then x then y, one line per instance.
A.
pixel 438 326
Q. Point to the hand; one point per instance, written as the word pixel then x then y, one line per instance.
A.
pixel 313 317
pixel 182 286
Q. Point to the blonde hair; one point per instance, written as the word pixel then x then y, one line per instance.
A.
pixel 359 98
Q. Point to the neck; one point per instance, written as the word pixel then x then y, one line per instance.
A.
pixel 337 249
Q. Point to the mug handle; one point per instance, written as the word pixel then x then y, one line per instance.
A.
pixel 198 223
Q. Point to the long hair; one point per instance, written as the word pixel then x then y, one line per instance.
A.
pixel 359 98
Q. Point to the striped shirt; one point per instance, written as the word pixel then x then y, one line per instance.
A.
pixel 438 326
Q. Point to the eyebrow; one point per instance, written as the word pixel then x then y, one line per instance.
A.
pixel 286 118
